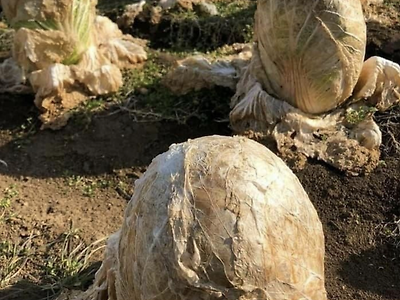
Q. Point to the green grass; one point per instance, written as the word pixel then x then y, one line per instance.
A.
pixel 87 186
pixel 355 116
pixel 180 29
pixel 13 258
pixel 68 262
pixel 145 98
pixel 6 36
pixel 9 194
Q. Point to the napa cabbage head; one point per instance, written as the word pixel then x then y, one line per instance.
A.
pixel 73 19
pixel 309 53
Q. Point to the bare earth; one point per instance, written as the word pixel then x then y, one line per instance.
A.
pixel 81 177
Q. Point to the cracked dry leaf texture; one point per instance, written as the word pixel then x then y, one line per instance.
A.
pixel 120 49
pixel 311 52
pixel 215 218
pixel 68 53
pixel 197 72
pixel 40 10
pixel 328 137
pixel 379 82
pixel 38 49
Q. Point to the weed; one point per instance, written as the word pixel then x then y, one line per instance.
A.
pixel 158 103
pixel 9 193
pixel 5 202
pixel 25 131
pixel 355 116
pixel 69 261
pixel 72 180
pixel 87 186
pixel 66 263
pixel 391 231
pixel 13 258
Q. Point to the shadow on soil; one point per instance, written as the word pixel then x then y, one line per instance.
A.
pixel 28 290
pixel 376 270
pixel 94 144
pixel 383 41
pixel 180 29
pixel 23 289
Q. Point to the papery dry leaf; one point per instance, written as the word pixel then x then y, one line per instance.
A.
pixel 379 82
pixel 309 53
pixel 198 72
pixel 119 49
pixel 195 73
pixel 97 74
pixel 215 218
pixel 327 137
pixel 40 10
pixel 12 78
pixel 38 49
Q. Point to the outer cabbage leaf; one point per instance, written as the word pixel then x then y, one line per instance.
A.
pixel 38 49
pixel 215 218
pixel 97 73
pixel 310 53
pixel 120 49
pixel 67 53
pixel 379 83
pixel 18 12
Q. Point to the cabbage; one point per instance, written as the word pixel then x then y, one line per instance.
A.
pixel 307 62
pixel 67 53
pixel 311 52
pixel 306 87
pixel 74 19
pixel 215 218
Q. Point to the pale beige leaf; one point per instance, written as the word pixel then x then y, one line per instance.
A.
pixel 215 218
pixel 379 83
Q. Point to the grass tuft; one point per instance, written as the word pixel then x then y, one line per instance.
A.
pixel 68 265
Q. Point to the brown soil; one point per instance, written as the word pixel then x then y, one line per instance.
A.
pixel 360 262
pixel 54 171
pixel 383 29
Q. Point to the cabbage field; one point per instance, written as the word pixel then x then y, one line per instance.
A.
pixel 87 102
